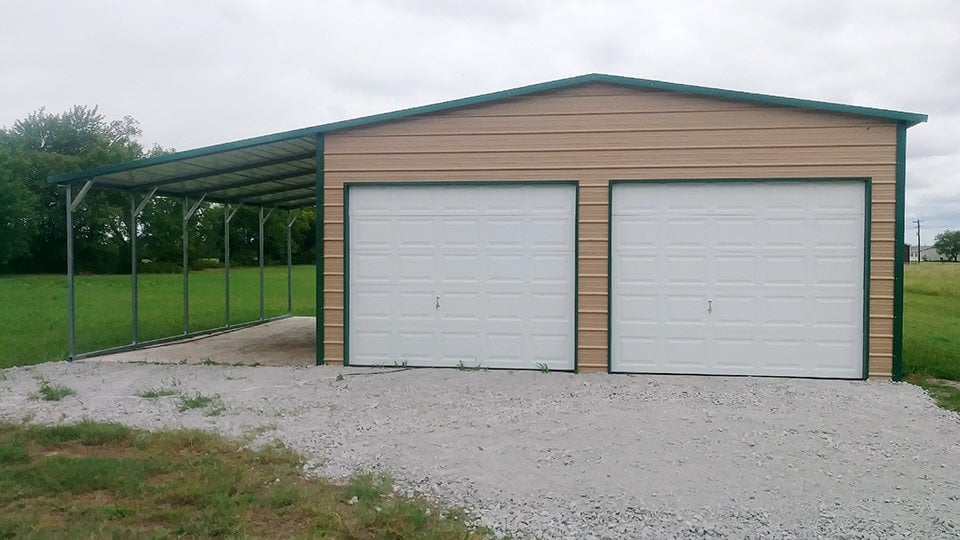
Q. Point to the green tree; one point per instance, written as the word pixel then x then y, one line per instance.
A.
pixel 32 212
pixel 16 212
pixel 43 144
pixel 948 244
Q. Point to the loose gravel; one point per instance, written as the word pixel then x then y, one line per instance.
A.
pixel 571 456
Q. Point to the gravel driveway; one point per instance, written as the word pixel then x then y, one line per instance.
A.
pixel 583 456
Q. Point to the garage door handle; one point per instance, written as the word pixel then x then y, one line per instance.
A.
pixel 438 303
pixel 709 306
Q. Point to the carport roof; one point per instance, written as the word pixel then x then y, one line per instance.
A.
pixel 279 170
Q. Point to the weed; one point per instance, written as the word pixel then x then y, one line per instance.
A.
pixel 3 376
pixel 53 392
pixel 198 401
pixel 154 393
pixel 216 408
pixel 543 367
pixel 86 433
pixel 947 396
pixel 13 452
pixel 461 366
pixel 253 433
pixel 369 488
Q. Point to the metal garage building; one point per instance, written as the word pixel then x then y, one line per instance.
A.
pixel 591 224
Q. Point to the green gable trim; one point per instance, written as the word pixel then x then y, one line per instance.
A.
pixel 906 118
pixel 643 84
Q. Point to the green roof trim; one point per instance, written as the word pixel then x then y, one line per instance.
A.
pixel 907 118
pixel 644 84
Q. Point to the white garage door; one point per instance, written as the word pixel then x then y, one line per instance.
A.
pixel 472 275
pixel 758 278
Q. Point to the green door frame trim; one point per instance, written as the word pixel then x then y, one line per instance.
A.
pixel 320 309
pixel 868 197
pixel 347 186
pixel 867 236
pixel 899 222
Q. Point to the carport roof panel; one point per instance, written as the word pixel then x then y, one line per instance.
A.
pixel 258 161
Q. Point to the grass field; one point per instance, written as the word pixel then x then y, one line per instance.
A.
pixel 33 308
pixel 93 480
pixel 931 329
pixel 33 316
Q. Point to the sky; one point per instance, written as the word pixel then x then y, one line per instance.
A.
pixel 201 72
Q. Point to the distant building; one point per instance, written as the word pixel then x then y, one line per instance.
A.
pixel 927 253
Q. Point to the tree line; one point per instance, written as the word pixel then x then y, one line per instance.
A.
pixel 33 215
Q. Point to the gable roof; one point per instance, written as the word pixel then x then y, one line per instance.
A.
pixel 257 170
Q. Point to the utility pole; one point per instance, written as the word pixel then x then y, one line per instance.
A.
pixel 918 221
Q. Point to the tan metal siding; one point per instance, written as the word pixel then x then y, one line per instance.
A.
pixel 596 133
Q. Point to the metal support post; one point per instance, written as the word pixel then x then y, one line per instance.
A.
pixel 72 205
pixel 261 262
pixel 188 212
pixel 226 265
pixel 227 217
pixel 291 217
pixel 135 211
pixel 133 269
pixel 184 241
pixel 71 307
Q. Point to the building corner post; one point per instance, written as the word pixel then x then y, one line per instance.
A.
pixel 901 177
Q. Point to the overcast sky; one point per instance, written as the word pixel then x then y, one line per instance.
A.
pixel 197 72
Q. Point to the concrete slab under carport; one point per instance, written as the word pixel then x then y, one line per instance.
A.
pixel 286 342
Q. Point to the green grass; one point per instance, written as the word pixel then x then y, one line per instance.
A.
pixel 946 396
pixel 154 393
pixel 33 316
pixel 198 401
pixel 931 329
pixel 53 392
pixel 93 480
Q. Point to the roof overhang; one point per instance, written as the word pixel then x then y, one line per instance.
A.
pixel 279 170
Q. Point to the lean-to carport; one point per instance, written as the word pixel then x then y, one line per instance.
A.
pixel 272 173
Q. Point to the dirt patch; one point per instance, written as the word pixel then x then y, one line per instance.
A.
pixel 286 342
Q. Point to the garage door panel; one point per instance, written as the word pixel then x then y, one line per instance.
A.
pixel 501 233
pixel 639 308
pixel 750 278
pixel 735 270
pixel 737 310
pixel 411 269
pixel 479 275
pixel 638 269
pixel 372 345
pixel 685 269
pixel 638 234
pixel 838 270
pixel 685 309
